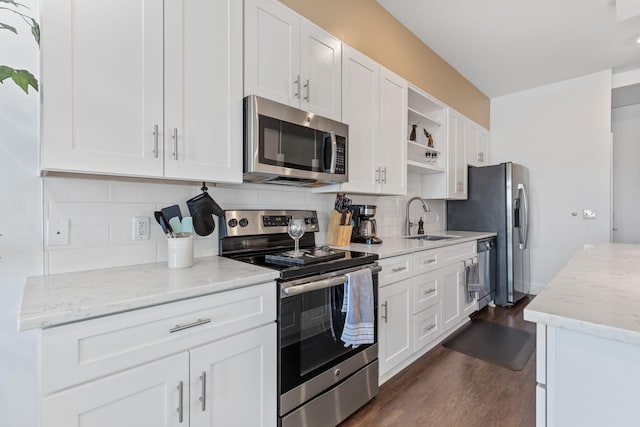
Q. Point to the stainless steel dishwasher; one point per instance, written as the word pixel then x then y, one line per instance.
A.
pixel 487 271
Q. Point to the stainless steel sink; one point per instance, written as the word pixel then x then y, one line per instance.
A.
pixel 429 237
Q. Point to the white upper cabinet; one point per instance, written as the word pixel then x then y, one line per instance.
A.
pixel 128 92
pixel 375 108
pixel 456 157
pixel 203 90
pixel 477 145
pixel 290 60
pixel 391 147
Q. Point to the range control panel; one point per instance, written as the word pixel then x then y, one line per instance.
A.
pixel 256 222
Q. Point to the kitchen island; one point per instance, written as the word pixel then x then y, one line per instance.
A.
pixel 588 339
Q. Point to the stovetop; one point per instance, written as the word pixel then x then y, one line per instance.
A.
pixel 259 237
pixel 291 271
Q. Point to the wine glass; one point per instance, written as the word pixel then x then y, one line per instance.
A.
pixel 296 231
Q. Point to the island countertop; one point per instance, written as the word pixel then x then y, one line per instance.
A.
pixel 597 293
pixel 53 300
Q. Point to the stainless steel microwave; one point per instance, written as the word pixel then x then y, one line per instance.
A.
pixel 285 145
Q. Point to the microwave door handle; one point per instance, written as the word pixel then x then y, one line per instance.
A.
pixel 334 152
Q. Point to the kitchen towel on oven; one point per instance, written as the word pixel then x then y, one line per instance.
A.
pixel 358 305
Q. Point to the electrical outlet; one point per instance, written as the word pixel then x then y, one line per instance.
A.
pixel 57 232
pixel 141 227
pixel 589 214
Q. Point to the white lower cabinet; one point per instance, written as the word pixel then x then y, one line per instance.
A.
pixel 395 330
pixel 208 361
pixel 144 396
pixel 422 298
pixel 451 311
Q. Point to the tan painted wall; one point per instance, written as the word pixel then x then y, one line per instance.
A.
pixel 369 28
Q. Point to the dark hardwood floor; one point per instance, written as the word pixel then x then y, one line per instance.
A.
pixel 447 388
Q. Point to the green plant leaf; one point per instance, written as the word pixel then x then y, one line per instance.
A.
pixel 5 72
pixel 35 30
pixel 8 27
pixel 24 79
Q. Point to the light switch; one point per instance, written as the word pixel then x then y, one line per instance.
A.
pixel 589 214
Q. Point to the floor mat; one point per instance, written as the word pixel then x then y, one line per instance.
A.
pixel 494 343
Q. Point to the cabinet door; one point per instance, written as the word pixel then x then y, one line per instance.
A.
pixel 237 379
pixel 452 280
pixel 148 395
pixel 321 72
pixel 395 331
pixel 203 90
pixel 392 137
pixel 471 145
pixel 102 74
pixel 456 158
pixel 483 147
pixel 271 52
pixel 360 112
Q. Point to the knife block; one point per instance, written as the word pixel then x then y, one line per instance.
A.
pixel 338 235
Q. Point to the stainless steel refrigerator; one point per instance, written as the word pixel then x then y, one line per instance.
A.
pixel 497 201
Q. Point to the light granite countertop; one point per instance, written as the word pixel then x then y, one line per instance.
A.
pixel 597 293
pixel 398 245
pixel 63 298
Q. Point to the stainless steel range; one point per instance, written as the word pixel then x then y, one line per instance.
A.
pixel 321 382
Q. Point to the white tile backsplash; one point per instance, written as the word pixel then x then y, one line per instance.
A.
pixel 101 212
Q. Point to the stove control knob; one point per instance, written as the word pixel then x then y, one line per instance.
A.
pixel 232 223
pixel 244 222
pixel 311 220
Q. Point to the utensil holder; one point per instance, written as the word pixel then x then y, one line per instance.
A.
pixel 338 235
pixel 180 252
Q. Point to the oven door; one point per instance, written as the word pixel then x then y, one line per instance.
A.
pixel 310 326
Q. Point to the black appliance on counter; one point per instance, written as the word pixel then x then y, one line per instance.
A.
pixel 315 369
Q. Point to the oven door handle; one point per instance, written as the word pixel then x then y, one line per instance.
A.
pixel 324 283
pixel 314 286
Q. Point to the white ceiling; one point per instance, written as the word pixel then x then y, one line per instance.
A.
pixel 505 46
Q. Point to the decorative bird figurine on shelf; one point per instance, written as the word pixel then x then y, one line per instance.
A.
pixel 429 138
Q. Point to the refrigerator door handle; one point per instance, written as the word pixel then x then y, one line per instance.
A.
pixel 524 241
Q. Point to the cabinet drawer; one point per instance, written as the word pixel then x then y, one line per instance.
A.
pixel 427 327
pixel 83 351
pixel 427 261
pixel 395 269
pixel 460 252
pixel 427 290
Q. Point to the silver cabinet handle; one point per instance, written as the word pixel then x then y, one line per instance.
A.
pixel 386 307
pixel 384 179
pixel 430 291
pixel 431 326
pixel 297 83
pixel 306 85
pixel 155 141
pixel 430 261
pixel 175 143
pixel 378 171
pixel 203 398
pixel 395 270
pixel 180 402
pixel 179 328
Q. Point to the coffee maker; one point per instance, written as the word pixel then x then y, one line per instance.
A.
pixel 364 226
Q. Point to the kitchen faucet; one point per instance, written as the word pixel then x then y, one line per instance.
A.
pixel 407 222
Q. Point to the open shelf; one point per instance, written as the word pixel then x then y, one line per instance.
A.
pixel 423 168
pixel 424 120
pixel 419 146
